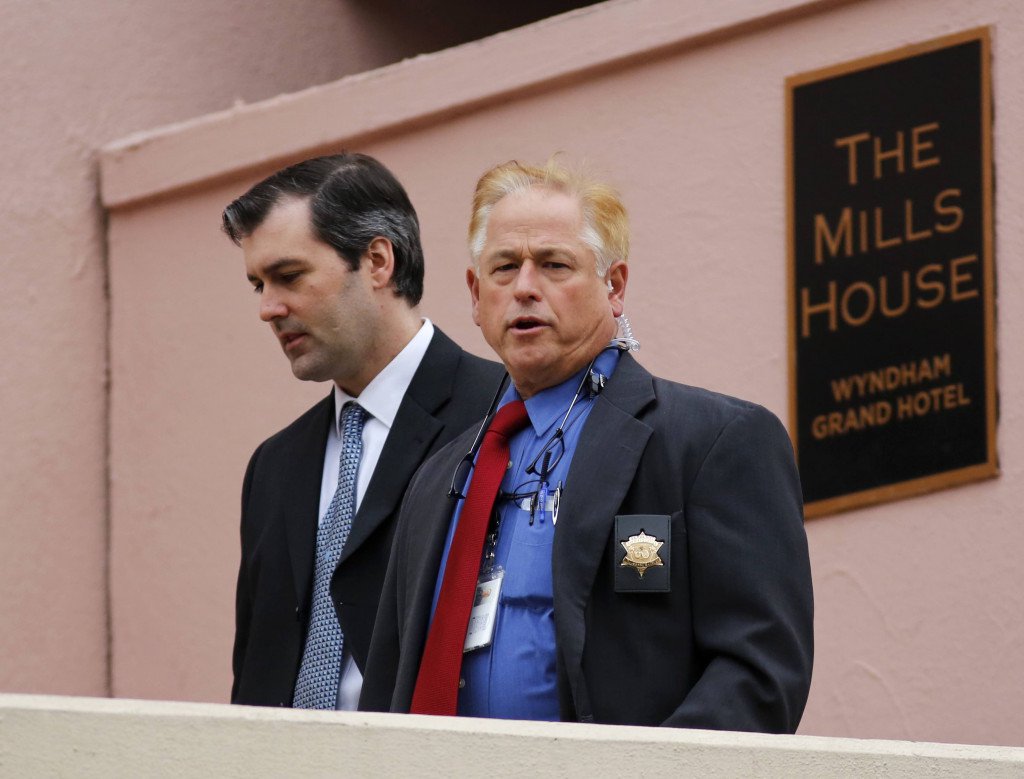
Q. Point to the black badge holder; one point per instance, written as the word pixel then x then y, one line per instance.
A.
pixel 642 558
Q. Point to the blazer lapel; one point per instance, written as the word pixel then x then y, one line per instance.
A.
pixel 606 458
pixel 432 519
pixel 414 430
pixel 300 500
pixel 407 445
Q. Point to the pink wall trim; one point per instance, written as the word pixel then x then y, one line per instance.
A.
pixel 393 98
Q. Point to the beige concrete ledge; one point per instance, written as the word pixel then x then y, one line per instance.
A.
pixel 423 90
pixel 85 737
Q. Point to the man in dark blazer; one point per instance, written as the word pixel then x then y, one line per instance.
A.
pixel 676 589
pixel 332 248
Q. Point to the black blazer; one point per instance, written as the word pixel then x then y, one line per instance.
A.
pixel 728 646
pixel 280 507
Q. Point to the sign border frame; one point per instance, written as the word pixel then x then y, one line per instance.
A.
pixel 958 476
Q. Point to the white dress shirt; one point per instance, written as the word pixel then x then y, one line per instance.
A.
pixel 380 399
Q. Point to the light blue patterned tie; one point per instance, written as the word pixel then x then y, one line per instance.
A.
pixel 317 685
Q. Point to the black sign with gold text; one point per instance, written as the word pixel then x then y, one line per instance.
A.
pixel 891 284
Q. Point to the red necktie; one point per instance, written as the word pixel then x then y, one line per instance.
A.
pixel 437 685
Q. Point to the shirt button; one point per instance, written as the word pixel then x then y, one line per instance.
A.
pixel 508 466
pixel 462 683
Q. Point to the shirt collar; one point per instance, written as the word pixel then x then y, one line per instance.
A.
pixel 549 405
pixel 383 395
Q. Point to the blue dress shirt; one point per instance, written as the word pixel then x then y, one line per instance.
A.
pixel 514 677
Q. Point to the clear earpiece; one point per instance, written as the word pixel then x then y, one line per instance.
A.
pixel 624 337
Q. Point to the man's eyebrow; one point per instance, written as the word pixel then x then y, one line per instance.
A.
pixel 504 254
pixel 547 251
pixel 275 267
pixel 542 252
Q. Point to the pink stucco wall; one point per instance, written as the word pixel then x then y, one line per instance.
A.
pixel 918 602
pixel 74 76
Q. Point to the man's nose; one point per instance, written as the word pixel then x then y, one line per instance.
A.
pixel 271 307
pixel 527 283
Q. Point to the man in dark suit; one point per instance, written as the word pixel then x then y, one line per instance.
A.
pixel 645 560
pixel 332 248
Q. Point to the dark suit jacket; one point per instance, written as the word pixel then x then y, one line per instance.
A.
pixel 280 507
pixel 728 647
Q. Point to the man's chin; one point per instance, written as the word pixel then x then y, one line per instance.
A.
pixel 530 377
pixel 306 370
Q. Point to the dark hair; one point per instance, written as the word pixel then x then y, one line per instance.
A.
pixel 353 199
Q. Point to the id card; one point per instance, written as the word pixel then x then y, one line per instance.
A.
pixel 485 610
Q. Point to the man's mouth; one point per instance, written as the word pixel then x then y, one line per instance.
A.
pixel 525 324
pixel 290 339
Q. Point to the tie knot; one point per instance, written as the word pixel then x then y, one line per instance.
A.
pixel 510 419
pixel 352 417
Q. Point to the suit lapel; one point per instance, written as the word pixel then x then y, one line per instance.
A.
pixel 606 458
pixel 301 496
pixel 432 518
pixel 406 447
pixel 414 430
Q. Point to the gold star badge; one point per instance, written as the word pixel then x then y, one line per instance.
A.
pixel 642 552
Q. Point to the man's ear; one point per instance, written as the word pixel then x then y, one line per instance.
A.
pixel 380 255
pixel 616 278
pixel 474 293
